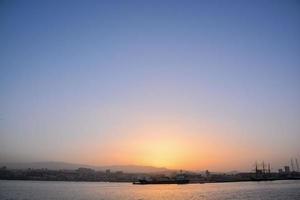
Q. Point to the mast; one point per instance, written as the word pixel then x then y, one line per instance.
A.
pixel 292 164
pixel 256 167
pixel 297 165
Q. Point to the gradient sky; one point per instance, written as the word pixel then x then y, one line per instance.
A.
pixel 180 84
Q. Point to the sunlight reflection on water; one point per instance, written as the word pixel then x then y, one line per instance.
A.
pixel 17 190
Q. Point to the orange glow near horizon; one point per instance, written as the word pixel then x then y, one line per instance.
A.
pixel 170 145
pixel 163 152
pixel 162 145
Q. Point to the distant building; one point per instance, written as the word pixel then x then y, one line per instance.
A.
pixel 280 171
pixel 85 170
pixel 207 173
pixel 107 171
pixel 287 169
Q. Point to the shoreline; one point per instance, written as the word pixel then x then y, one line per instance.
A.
pixel 130 182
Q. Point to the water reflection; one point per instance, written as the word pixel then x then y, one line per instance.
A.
pixel 16 190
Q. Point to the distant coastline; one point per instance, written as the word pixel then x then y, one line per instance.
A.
pixel 91 175
pixel 54 165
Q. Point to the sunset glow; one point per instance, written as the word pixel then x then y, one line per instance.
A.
pixel 185 85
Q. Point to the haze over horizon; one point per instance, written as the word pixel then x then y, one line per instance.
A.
pixel 177 84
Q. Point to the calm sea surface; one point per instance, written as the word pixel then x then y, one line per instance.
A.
pixel 17 190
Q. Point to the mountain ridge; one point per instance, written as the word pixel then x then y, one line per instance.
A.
pixel 55 165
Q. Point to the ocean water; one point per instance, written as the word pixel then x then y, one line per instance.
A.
pixel 39 190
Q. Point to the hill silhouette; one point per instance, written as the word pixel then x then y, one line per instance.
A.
pixel 72 166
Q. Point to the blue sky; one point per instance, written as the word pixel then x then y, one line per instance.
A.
pixel 74 73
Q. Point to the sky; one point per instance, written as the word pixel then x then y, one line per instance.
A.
pixel 180 84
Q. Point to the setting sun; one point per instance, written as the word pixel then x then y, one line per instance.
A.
pixel 165 152
pixel 148 92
